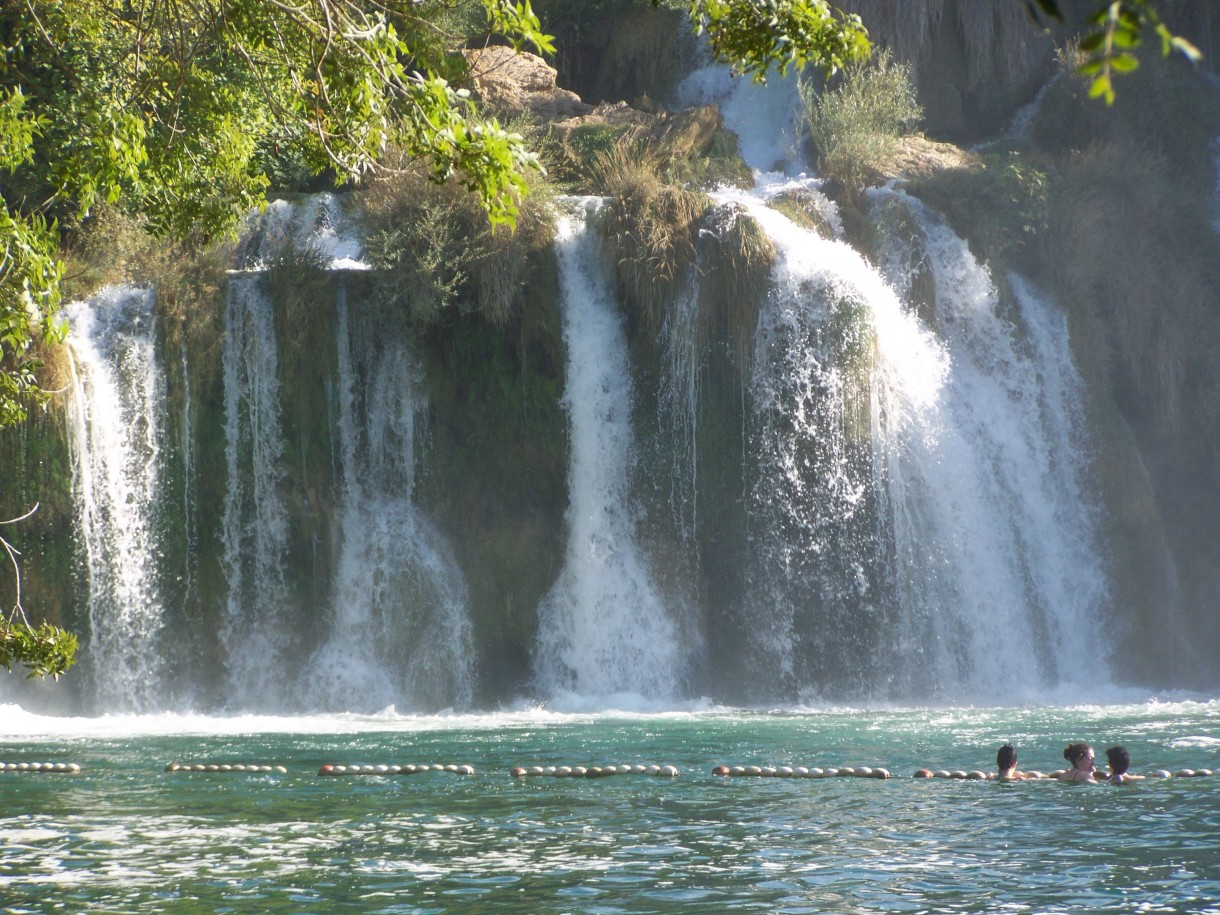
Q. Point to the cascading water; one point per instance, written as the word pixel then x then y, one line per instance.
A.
pixel 118 402
pixel 255 525
pixel 603 629
pixel 995 542
pixel 918 516
pixel 400 633
pixel 838 367
pixel 763 116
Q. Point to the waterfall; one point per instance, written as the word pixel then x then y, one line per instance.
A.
pixel 116 434
pixel 839 366
pixel 255 525
pixel 678 406
pixel 996 540
pixel 399 632
pixel 919 519
pixel 602 629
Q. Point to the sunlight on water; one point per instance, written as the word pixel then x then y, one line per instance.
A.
pixel 124 835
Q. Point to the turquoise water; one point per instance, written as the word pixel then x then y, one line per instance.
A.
pixel 126 836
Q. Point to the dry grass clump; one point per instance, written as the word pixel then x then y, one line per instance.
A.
pixel 649 228
pixel 435 249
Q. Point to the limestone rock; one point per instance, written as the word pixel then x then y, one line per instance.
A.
pixel 513 83
pixel 920 157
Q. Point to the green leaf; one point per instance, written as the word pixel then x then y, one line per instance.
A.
pixel 1102 88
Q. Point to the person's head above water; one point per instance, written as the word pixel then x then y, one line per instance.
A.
pixel 1119 760
pixel 1080 755
pixel 1006 758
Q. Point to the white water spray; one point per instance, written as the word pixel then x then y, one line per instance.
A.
pixel 117 408
pixel 602 629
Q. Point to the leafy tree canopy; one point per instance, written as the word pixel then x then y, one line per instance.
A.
pixel 180 111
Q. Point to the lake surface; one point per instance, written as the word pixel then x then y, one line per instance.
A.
pixel 124 835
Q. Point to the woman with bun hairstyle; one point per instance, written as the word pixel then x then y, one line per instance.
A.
pixel 1080 755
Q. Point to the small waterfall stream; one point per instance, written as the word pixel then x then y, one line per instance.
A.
pixel 603 629
pixel 996 548
pixel 255 527
pixel 118 403
pixel 399 631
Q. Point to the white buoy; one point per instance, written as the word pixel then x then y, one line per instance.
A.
pixel 670 771
pixel 864 772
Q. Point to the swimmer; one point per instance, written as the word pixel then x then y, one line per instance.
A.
pixel 1080 755
pixel 1006 765
pixel 1119 760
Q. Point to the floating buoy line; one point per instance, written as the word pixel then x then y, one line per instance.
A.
pixel 332 770
pixel 802 771
pixel 225 767
pixel 58 768
pixel 409 769
pixel 593 771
